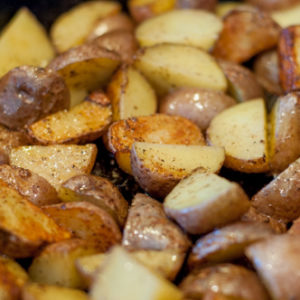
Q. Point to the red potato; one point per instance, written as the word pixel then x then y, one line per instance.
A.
pixel 198 4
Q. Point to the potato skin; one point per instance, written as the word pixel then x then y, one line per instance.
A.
pixel 270 5
pixel 28 94
pixel 198 4
pixel 197 105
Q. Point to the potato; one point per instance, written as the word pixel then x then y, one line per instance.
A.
pixel 33 291
pixel 195 104
pixel 86 221
pixel 227 243
pixel 168 66
pixel 141 10
pixel 23 239
pixel 295 228
pixel 96 190
pixel 287 17
pixel 227 279
pixel 280 198
pixel 190 27
pixel 148 228
pixel 24 42
pixel 84 123
pixel 246 146
pixel 217 296
pixel 266 70
pixel 133 280
pixel 56 163
pixel 245 34
pixel 159 167
pixel 199 4
pixel 242 84
pixel 55 264
pixel 30 185
pixel 110 24
pixel 202 201
pixel 72 28
pixel 277 263
pixel 285 132
pixel 224 8
pixel 159 128
pixel 77 95
pixel 131 95
pixel 270 5
pixel 28 94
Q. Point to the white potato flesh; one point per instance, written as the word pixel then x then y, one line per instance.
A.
pixel 287 17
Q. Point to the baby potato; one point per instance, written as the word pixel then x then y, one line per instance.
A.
pixel 270 5
pixel 198 4
pixel 29 93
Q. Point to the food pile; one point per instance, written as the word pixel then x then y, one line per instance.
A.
pixel 127 141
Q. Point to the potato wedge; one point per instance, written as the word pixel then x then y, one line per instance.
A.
pixel 227 243
pixel 55 264
pixel 230 280
pixel 33 291
pixel 159 167
pixel 84 123
pixel 30 185
pixel 197 105
pixel 24 41
pixel 71 28
pixel 23 239
pixel 271 5
pixel 280 198
pixel 280 270
pixel 242 84
pixel 56 163
pixel 202 201
pixel 158 128
pixel 295 228
pixel 96 190
pixel 245 34
pixel 209 5
pixel 288 16
pixel 190 27
pixel 246 147
pixel 123 271
pixel 168 66
pixel 131 95
pixel 86 221
pixel 224 8
pixel 77 95
pixel 148 228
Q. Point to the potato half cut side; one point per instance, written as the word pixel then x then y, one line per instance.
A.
pixel 24 42
pixel 167 66
pixel 131 95
pixel 159 167
pixel 123 271
pixel 202 201
pixel 242 131
pixel 22 239
pixel 56 163
pixel 72 28
pixel 190 27
pixel 287 17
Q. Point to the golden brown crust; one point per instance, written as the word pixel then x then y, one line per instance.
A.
pixel 270 5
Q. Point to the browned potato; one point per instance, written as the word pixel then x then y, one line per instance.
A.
pixel 227 243
pixel 287 17
pixel 28 94
pixel 280 198
pixel 217 296
pixel 148 228
pixel 245 34
pixel 277 263
pixel 86 221
pixel 195 104
pixel 295 228
pixel 270 5
pixel 266 70
pixel 198 4
pixel 21 238
pixel 242 84
pixel 30 185
pixel 98 191
pixel 230 280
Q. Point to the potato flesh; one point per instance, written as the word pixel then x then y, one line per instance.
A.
pixel 190 27
pixel 287 17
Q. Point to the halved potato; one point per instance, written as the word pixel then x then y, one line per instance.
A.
pixel 209 5
pixel 131 95
pixel 56 163
pixel 202 201
pixel 295 228
pixel 167 66
pixel 191 27
pixel 71 28
pixel 84 123
pixel 20 238
pixel 271 5
pixel 123 275
pixel 158 128
pixel 77 95
pixel 224 8
pixel 24 42
pixel 242 131
pixel 288 16
pixel 159 167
